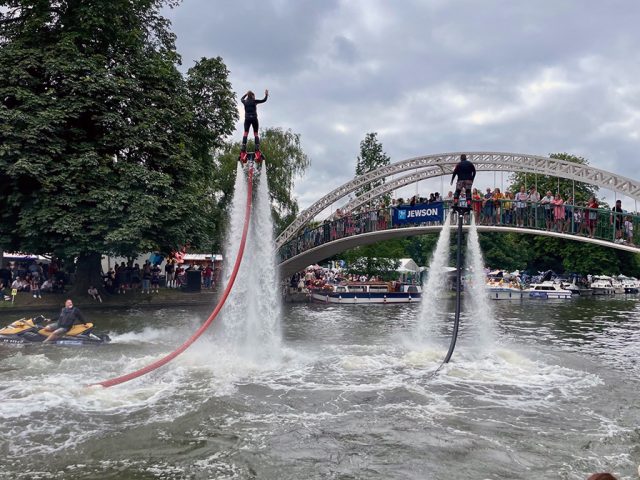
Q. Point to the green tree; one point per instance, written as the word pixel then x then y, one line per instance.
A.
pixel 506 250
pixel 97 153
pixel 285 161
pixel 546 183
pixel 420 248
pixel 380 259
pixel 371 157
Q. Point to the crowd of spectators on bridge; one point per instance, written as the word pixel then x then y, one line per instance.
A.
pixel 521 208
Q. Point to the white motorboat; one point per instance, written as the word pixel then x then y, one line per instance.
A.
pixel 602 285
pixel 504 286
pixel 504 290
pixel 497 292
pixel 547 289
pixel 630 284
pixel 577 289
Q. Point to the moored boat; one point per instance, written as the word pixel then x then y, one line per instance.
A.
pixel 504 286
pixel 601 285
pixel 577 289
pixel 367 293
pixel 497 292
pixel 547 289
pixel 630 284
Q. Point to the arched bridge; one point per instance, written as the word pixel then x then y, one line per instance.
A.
pixel 295 239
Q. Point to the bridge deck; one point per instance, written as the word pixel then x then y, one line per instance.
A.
pixel 596 226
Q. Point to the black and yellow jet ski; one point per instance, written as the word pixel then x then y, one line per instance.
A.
pixel 31 331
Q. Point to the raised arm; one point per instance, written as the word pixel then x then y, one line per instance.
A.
pixel 266 95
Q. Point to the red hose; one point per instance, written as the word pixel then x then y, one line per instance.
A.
pixel 158 363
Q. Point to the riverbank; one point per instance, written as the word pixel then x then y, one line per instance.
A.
pixel 167 297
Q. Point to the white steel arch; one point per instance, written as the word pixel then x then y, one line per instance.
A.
pixel 443 164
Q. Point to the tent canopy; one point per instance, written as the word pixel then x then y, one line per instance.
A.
pixel 407 265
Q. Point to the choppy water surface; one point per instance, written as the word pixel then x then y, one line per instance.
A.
pixel 350 396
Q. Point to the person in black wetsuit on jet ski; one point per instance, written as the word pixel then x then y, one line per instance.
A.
pixel 69 316
pixel 251 120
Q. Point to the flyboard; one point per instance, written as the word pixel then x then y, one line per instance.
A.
pixel 246 157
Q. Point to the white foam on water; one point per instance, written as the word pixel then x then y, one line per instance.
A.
pixel 251 316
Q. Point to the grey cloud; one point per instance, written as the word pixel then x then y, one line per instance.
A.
pixel 432 76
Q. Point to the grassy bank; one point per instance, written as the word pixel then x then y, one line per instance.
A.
pixel 166 297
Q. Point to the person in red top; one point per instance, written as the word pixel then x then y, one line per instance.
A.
pixel 206 276
pixel 476 203
pixel 558 212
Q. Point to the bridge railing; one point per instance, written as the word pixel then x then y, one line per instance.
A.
pixel 602 224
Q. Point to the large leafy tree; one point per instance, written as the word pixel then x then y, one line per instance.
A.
pixel 372 156
pixel 564 186
pixel 285 161
pixel 380 259
pixel 102 149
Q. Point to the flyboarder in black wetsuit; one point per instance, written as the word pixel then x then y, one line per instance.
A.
pixel 466 173
pixel 251 120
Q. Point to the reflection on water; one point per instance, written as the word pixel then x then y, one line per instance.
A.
pixel 555 397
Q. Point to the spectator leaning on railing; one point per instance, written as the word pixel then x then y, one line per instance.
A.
pixel 616 219
pixel 592 216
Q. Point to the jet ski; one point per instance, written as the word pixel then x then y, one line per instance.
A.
pixel 31 331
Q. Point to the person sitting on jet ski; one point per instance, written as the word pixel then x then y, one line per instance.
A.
pixel 251 120
pixel 69 316
pixel 466 173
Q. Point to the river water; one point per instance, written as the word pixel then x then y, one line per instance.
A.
pixel 348 396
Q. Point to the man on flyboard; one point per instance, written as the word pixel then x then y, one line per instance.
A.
pixel 466 173
pixel 251 120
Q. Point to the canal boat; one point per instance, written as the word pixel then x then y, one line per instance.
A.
pixel 362 293
pixel 547 289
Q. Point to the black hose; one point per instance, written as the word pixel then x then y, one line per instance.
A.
pixel 456 322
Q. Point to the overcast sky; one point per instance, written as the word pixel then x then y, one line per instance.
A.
pixel 430 76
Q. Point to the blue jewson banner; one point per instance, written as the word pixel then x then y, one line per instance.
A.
pixel 425 212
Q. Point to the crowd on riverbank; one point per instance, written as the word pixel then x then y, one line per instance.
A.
pixel 36 279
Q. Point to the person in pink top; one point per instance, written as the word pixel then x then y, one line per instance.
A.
pixel 558 212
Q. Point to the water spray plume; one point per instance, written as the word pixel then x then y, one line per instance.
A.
pixel 164 360
pixel 478 301
pixel 432 307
